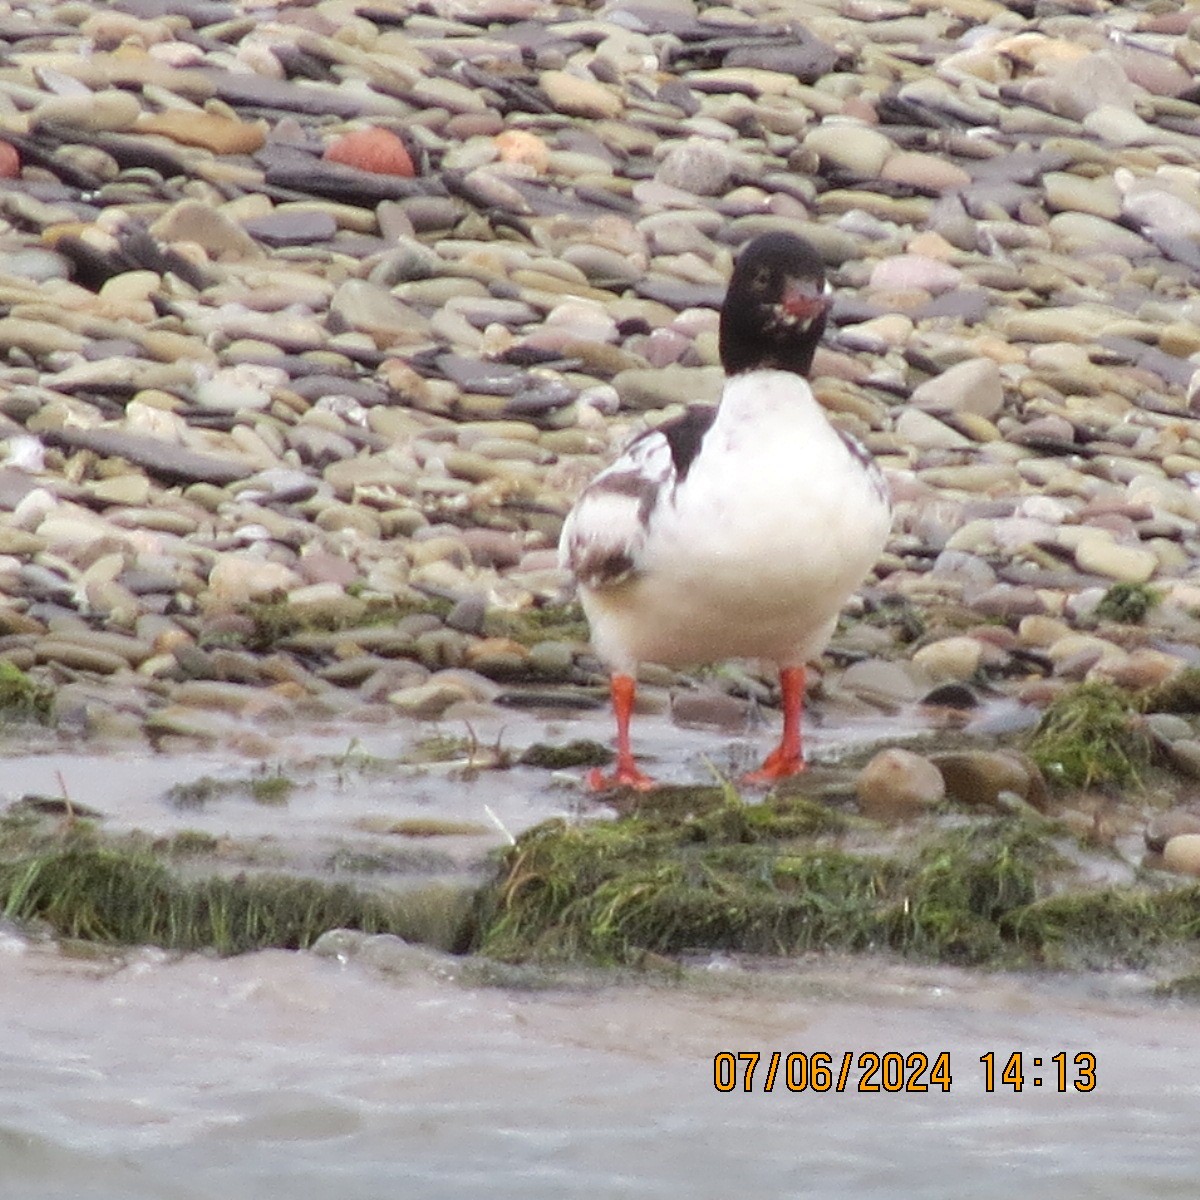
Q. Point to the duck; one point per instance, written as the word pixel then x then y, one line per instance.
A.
pixel 737 530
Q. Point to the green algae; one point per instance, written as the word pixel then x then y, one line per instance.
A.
pixel 560 623
pixel 269 788
pixel 1127 603
pixel 192 843
pixel 23 699
pixel 1092 736
pixel 273 620
pixel 122 893
pixel 778 878
pixel 963 887
pixel 1097 928
pixel 1180 694
pixel 1185 988
pixel 436 827
pixel 583 752
pixel 440 748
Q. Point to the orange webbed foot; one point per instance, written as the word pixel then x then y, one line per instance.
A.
pixel 775 767
pixel 627 775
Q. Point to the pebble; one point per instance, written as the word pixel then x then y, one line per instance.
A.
pixel 926 432
pixel 849 146
pixel 1126 564
pixel 376 150
pixel 897 783
pixel 979 778
pixel 950 660
pixel 577 96
pixel 973 386
pixel 906 272
pixel 209 131
pixel 428 701
pixel 1181 854
pixel 1163 827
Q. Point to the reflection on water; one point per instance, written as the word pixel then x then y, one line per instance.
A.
pixel 295 1075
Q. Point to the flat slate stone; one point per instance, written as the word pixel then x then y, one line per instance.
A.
pixel 316 385
pixel 171 464
pixel 544 396
pixel 1172 370
pixel 1021 166
pixel 348 185
pixel 678 294
pixel 484 378
pixel 256 91
pixel 127 150
pixel 653 18
pixel 197 13
pixel 969 305
pixel 291 228
pixel 807 60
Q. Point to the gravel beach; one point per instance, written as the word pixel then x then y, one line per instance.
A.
pixel 315 317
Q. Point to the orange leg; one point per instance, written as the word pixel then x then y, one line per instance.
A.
pixel 787 758
pixel 627 773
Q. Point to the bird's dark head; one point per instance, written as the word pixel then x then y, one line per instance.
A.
pixel 776 307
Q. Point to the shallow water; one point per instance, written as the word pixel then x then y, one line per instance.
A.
pixel 351 783
pixel 281 1074
pixel 303 1075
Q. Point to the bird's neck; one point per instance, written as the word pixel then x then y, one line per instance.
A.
pixel 769 395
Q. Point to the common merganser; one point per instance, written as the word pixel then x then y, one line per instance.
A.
pixel 737 530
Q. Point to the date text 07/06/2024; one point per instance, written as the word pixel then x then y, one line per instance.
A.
pixel 897 1071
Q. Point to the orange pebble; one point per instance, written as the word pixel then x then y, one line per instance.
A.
pixel 521 146
pixel 376 150
pixel 10 161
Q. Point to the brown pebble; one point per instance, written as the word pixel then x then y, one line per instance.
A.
pixel 977 777
pixel 898 783
pixel 221 135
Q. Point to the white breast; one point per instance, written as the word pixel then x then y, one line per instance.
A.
pixel 755 551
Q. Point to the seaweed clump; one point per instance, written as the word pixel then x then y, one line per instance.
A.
pixel 778 878
pixel 1109 925
pixel 1092 735
pixel 124 895
pixel 23 698
pixel 791 876
pixel 958 900
pixel 268 788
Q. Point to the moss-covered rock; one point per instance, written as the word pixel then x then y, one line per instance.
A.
pixel 1091 736
pixel 1179 694
pixel 583 752
pixel 1127 603
pixel 23 698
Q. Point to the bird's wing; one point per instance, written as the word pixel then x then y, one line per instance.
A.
pixel 604 537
